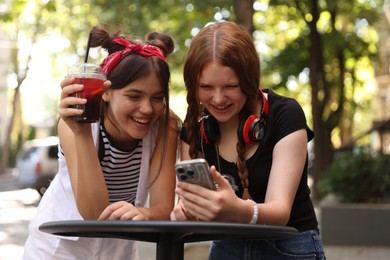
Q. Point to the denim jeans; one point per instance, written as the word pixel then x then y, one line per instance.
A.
pixel 306 245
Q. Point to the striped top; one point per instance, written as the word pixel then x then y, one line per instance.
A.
pixel 60 190
pixel 121 170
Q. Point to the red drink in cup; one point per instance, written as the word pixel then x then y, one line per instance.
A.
pixel 92 77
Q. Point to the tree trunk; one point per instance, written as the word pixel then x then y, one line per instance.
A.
pixel 16 116
pixel 323 151
pixel 16 108
pixel 16 112
pixel 243 10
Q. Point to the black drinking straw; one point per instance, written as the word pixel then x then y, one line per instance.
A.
pixel 88 44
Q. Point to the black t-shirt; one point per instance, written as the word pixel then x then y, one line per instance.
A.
pixel 285 116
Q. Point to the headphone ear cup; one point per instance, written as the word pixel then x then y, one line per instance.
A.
pixel 209 129
pixel 250 130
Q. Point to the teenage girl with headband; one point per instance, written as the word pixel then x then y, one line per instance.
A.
pixel 107 169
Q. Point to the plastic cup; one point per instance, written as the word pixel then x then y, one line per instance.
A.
pixel 92 77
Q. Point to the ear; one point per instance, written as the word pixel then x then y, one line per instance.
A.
pixel 106 96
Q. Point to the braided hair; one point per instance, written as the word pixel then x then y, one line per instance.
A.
pixel 230 45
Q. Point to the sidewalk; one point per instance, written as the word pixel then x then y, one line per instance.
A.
pixel 199 251
pixel 356 253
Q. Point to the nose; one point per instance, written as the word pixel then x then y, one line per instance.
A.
pixel 218 96
pixel 146 107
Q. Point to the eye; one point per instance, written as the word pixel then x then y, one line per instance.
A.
pixel 205 87
pixel 234 86
pixel 134 97
pixel 158 98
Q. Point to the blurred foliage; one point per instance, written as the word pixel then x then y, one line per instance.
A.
pixel 30 132
pixel 281 34
pixel 349 44
pixel 61 27
pixel 281 37
pixel 358 176
pixel 178 18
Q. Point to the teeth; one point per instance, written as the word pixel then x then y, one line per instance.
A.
pixel 221 108
pixel 142 121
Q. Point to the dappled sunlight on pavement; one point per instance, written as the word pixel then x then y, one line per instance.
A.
pixel 17 208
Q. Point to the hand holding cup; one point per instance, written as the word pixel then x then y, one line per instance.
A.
pixel 69 103
pixel 92 78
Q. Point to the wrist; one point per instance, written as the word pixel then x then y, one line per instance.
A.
pixel 255 215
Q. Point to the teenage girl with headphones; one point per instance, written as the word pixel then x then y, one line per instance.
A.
pixel 257 137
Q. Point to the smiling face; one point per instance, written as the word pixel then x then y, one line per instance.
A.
pixel 133 109
pixel 220 92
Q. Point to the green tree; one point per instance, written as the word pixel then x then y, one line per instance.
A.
pixel 313 50
pixel 73 19
pixel 19 65
pixel 32 20
pixel 333 43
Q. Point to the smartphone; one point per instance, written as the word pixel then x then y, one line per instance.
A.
pixel 195 171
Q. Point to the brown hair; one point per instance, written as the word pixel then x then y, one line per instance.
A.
pixel 135 66
pixel 230 45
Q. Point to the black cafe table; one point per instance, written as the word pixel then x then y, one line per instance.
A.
pixel 169 236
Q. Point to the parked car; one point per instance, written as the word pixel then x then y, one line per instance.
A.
pixel 37 163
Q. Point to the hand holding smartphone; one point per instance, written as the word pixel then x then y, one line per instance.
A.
pixel 195 171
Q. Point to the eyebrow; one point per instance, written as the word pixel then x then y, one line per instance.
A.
pixel 226 85
pixel 137 91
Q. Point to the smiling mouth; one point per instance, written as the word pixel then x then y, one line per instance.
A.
pixel 140 120
pixel 221 107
